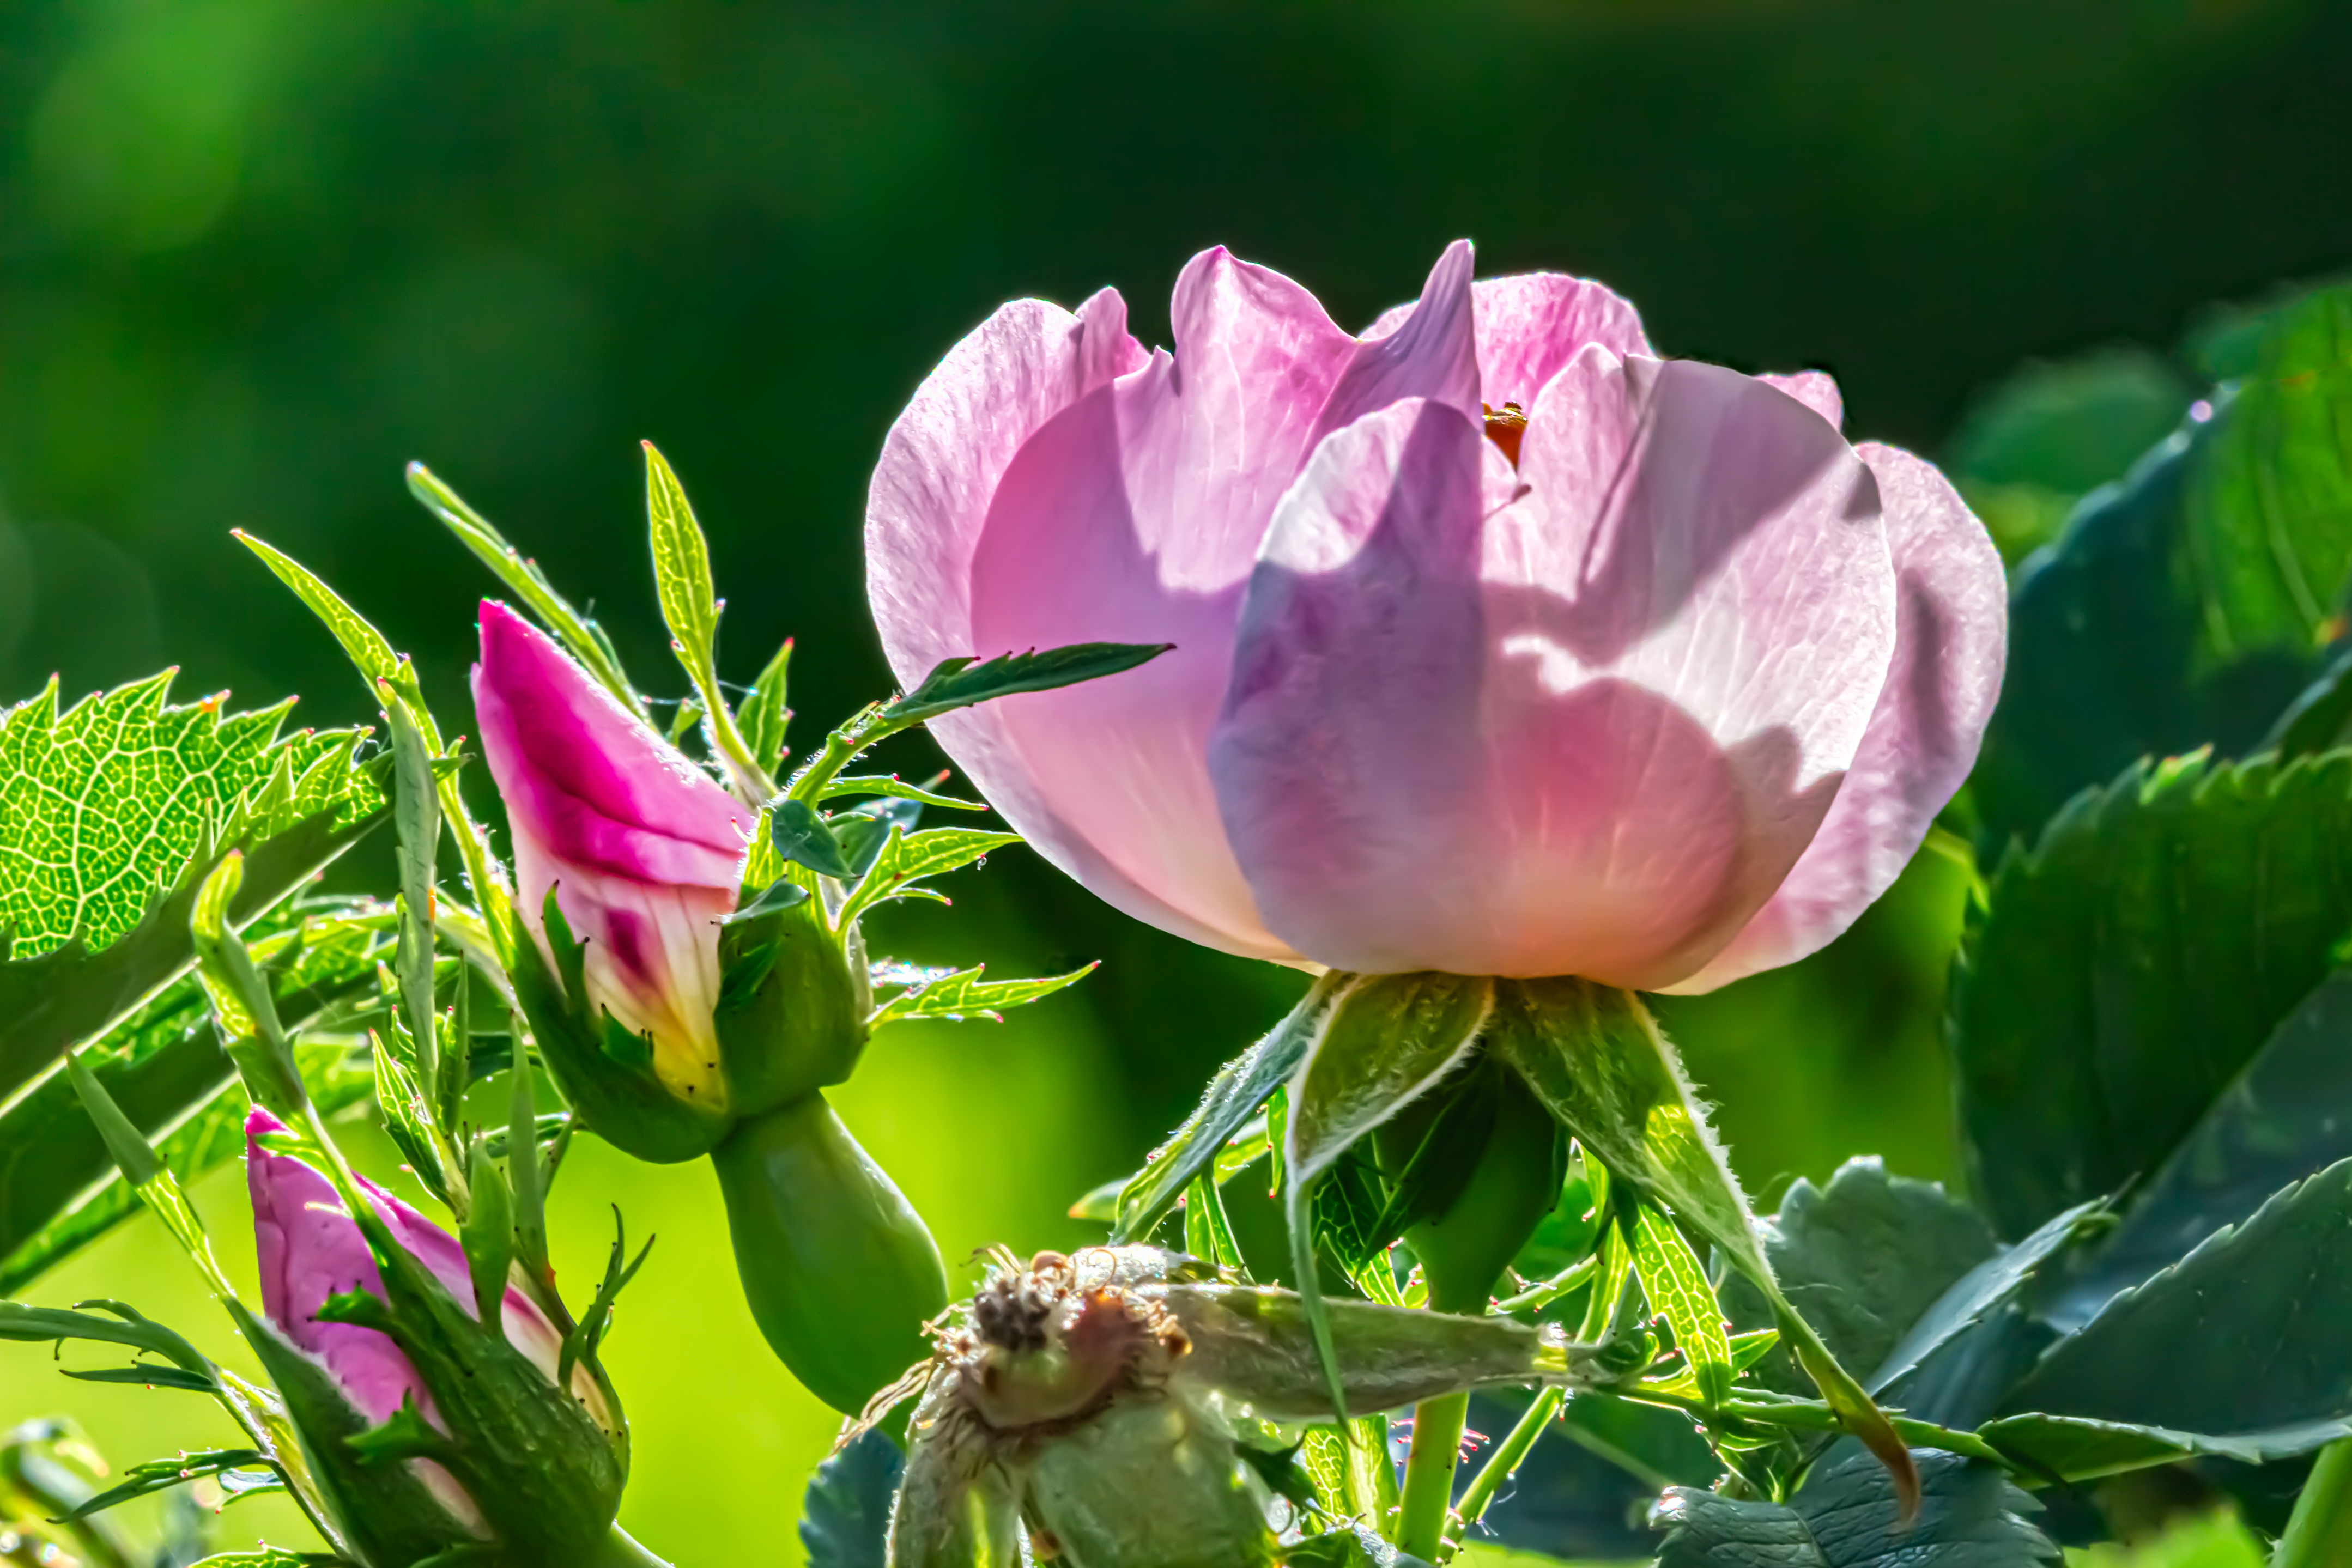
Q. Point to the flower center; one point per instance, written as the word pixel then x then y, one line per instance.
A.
pixel 1505 426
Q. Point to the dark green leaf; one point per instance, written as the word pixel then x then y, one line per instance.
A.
pixel 2132 964
pixel 2080 1449
pixel 960 682
pixel 845 1514
pixel 2269 512
pixel 1862 1259
pixel 803 838
pixel 863 831
pixel 2319 719
pixel 1970 1517
pixel 1982 1290
pixel 94 903
pixel 779 895
pixel 2250 1333
pixel 2279 1121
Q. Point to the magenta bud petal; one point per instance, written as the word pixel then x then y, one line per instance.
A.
pixel 309 1248
pixel 1647 678
pixel 645 850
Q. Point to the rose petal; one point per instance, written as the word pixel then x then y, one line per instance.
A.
pixel 1817 390
pixel 1531 325
pixel 1951 642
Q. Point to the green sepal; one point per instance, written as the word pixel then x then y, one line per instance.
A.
pixel 789 1020
pixel 1593 1054
pixel 628 1107
pixel 388 1512
pixel 538 1462
pixel 403 1436
pixel 487 1234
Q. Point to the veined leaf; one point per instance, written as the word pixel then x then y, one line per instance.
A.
pixel 2073 1448
pixel 1863 1257
pixel 113 812
pixel 2132 964
pixel 897 788
pixel 963 994
pixel 1676 1287
pixel 1970 1516
pixel 845 1514
pixel 681 565
pixel 2250 1333
pixel 766 715
pixel 961 683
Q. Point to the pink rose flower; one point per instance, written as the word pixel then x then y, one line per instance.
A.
pixel 645 850
pixel 1503 645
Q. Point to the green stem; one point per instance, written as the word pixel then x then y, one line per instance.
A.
pixel 619 1551
pixel 1429 1474
pixel 2320 1532
pixel 1505 1460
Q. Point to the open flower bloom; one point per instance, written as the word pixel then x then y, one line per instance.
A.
pixel 309 1248
pixel 643 850
pixel 1502 646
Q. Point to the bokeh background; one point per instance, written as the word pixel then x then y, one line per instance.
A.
pixel 257 254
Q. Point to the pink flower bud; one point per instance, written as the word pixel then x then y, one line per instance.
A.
pixel 643 850
pixel 309 1248
pixel 1502 646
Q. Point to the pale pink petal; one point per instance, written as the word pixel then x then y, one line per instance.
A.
pixel 1817 390
pixel 1530 325
pixel 1584 731
pixel 1951 600
pixel 1134 516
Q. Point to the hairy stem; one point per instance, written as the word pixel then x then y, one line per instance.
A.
pixel 2320 1532
pixel 1506 1458
pixel 1429 1474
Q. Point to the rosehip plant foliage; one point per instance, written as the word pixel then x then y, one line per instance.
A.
pixel 1488 665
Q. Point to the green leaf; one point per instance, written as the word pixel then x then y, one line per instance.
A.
pixel 1970 1516
pixel 1675 1284
pixel 580 635
pixel 935 853
pixel 2215 1540
pixel 961 683
pixel 161 1475
pixel 1208 1230
pixel 1984 1290
pixel 362 644
pixel 2133 962
pixel 802 837
pixel 1389 1038
pixel 1235 1095
pixel 274 1557
pixel 1862 1259
pixel 846 1512
pixel 2186 606
pixel 165 1068
pixel 689 606
pixel 111 814
pixel 2249 1333
pixel 2270 513
pixel 2280 1120
pixel 963 994
pixel 2318 720
pixel 2074 1448
pixel 1597 1059
pixel 487 1235
pixel 765 715
pixel 897 788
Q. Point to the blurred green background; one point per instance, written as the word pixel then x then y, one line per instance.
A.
pixel 255 255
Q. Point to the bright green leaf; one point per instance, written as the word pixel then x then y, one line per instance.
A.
pixel 1675 1284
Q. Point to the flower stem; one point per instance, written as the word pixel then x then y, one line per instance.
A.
pixel 1429 1474
pixel 1506 1458
pixel 2320 1532
pixel 618 1551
